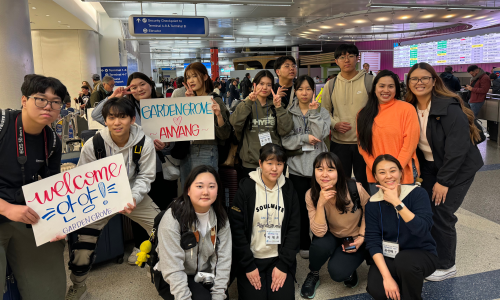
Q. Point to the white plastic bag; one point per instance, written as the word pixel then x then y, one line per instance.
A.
pixel 170 167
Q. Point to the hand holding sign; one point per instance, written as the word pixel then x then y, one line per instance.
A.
pixel 129 208
pixel 216 108
pixel 277 98
pixel 189 90
pixel 21 213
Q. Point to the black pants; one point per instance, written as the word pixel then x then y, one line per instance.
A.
pixel 444 231
pixel 341 265
pixel 198 291
pixel 408 269
pixel 351 161
pixel 301 185
pixel 162 192
pixel 246 291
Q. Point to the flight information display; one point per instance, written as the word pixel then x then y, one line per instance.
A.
pixel 467 50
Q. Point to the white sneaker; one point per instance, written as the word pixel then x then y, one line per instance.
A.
pixel 304 254
pixel 133 257
pixel 441 274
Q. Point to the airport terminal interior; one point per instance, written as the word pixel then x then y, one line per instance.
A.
pixel 86 40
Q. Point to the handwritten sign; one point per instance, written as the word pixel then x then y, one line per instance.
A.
pixel 74 199
pixel 178 119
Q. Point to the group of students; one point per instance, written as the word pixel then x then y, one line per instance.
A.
pixel 388 143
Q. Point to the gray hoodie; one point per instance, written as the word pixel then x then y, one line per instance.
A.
pixel 318 125
pixel 176 263
pixel 140 183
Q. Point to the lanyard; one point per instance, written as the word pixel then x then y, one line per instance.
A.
pixel 257 114
pixel 267 207
pixel 305 123
pixel 381 223
pixel 22 156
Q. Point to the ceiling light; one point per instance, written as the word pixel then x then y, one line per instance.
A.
pixel 481 17
pixel 69 26
pixel 468 16
pixel 427 16
pixel 412 5
pixel 404 17
pixel 340 24
pixel 33 7
pixel 306 32
pixel 360 21
pixel 59 21
pixel 381 19
pixel 47 15
pixel 314 29
pixel 325 27
pixel 449 16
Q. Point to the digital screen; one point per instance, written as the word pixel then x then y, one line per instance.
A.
pixel 468 50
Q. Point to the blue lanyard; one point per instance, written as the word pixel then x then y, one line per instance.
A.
pixel 257 114
pixel 278 207
pixel 381 223
pixel 305 124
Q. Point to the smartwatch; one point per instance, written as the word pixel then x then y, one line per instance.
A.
pixel 400 206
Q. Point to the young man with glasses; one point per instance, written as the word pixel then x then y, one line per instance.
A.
pixel 29 148
pixel 349 96
pixel 103 91
pixel 285 68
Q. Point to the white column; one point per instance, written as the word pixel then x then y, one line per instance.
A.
pixel 16 54
pixel 295 54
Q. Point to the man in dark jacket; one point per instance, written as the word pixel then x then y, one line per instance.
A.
pixel 104 90
pixel 480 85
pixel 451 82
pixel 245 86
pixel 223 90
pixel 235 93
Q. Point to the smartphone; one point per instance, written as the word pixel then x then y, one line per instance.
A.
pixel 347 241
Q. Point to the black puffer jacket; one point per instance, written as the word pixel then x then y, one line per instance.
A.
pixel 451 82
pixel 456 157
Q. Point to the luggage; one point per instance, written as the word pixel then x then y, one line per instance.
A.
pixel 11 292
pixel 110 242
pixel 229 180
pixel 87 134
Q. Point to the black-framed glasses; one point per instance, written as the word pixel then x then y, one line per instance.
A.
pixel 424 80
pixel 42 103
pixel 350 57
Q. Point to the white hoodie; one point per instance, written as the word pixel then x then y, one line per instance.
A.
pixel 266 216
pixel 140 183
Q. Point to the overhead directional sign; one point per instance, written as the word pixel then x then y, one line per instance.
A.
pixel 119 74
pixel 141 25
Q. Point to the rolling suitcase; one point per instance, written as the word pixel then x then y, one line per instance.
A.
pixel 229 179
pixel 110 242
pixel 11 292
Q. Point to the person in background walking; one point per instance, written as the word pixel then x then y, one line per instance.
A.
pixel 451 82
pixel 246 85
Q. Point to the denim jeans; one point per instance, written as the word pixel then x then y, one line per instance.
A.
pixel 199 155
pixel 476 107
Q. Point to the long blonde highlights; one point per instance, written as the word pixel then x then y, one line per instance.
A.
pixel 441 90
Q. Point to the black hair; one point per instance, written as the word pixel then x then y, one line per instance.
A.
pixel 387 157
pixel 34 84
pixel 118 107
pixel 332 161
pixel 493 76
pixel 182 208
pixel 85 87
pixel 344 49
pixel 247 74
pixel 216 84
pixel 303 78
pixel 472 68
pixel 281 60
pixel 179 81
pixel 139 75
pixel 368 113
pixel 262 74
pixel 448 69
pixel 272 151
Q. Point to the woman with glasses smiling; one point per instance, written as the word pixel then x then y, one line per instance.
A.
pixel 448 156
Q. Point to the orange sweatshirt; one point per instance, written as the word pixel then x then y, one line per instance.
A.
pixel 395 131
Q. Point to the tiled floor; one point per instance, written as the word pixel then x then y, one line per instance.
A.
pixel 478 257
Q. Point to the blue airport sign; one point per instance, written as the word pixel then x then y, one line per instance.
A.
pixel 168 68
pixel 206 64
pixel 141 25
pixel 119 74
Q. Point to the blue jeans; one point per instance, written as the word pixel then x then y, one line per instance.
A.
pixel 476 107
pixel 199 155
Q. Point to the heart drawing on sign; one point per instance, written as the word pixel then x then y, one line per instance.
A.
pixel 178 120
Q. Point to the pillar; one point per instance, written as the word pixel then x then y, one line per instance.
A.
pixel 295 54
pixel 214 61
pixel 16 53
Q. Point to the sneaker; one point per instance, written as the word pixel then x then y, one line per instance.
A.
pixel 308 290
pixel 304 254
pixel 133 257
pixel 76 292
pixel 441 274
pixel 353 281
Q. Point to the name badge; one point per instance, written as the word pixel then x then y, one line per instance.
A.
pixel 307 147
pixel 273 236
pixel 390 249
pixel 265 138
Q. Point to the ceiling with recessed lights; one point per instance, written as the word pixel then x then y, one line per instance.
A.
pixel 46 14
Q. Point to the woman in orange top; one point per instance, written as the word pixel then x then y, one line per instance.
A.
pixel 388 126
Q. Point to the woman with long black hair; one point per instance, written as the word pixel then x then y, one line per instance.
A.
pixel 194 238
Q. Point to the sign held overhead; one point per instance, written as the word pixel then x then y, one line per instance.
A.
pixel 172 26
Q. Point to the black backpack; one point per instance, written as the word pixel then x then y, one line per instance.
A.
pixel 100 149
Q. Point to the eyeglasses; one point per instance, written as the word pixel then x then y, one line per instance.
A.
pixel 42 103
pixel 287 66
pixel 350 57
pixel 424 80
pixel 110 85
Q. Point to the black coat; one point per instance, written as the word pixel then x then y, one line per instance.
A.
pixel 241 220
pixel 455 156
pixel 235 94
pixel 245 87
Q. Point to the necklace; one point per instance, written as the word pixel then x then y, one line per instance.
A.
pixel 422 112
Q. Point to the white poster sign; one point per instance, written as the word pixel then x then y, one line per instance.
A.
pixel 92 123
pixel 178 119
pixel 74 199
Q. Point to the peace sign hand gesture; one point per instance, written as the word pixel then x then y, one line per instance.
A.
pixel 121 91
pixel 314 105
pixel 189 90
pixel 255 92
pixel 277 98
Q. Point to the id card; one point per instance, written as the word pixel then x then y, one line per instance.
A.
pixel 265 138
pixel 390 249
pixel 273 236
pixel 307 147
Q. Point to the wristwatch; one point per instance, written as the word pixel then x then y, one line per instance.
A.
pixel 400 206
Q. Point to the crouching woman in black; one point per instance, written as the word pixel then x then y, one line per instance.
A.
pixel 265 226
pixel 398 235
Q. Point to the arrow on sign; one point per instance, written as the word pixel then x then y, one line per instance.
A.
pixel 138 20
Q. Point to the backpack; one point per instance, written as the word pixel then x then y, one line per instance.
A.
pixel 100 150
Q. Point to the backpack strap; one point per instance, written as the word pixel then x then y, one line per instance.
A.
pixel 332 85
pixel 4 119
pixel 54 139
pixel 136 155
pixel 356 201
pixel 99 148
